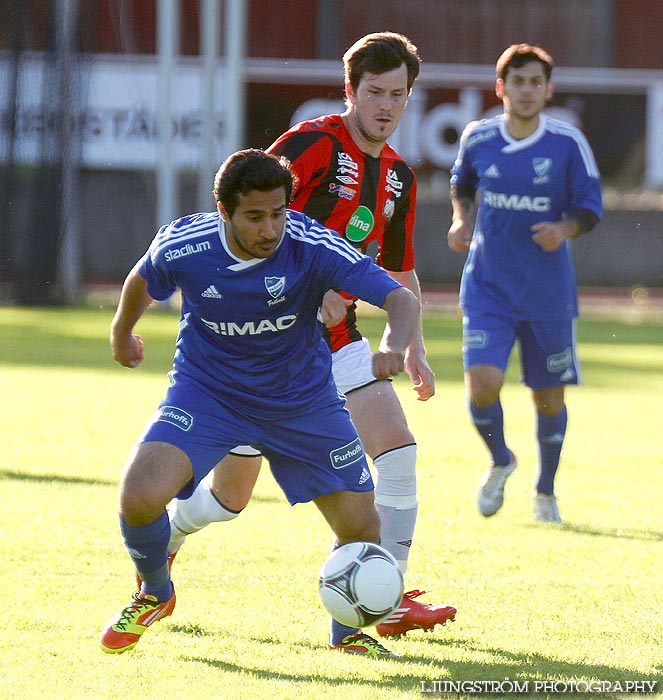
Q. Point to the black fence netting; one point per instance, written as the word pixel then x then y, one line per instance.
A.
pixel 42 90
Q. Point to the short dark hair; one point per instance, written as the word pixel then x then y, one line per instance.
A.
pixel 378 53
pixel 251 169
pixel 517 55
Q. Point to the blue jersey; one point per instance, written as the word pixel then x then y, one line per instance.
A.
pixel 249 330
pixel 523 182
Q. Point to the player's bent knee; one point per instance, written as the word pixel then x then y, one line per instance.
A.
pixel 351 515
pixel 483 396
pixel 355 532
pixel 359 526
pixel 199 510
pixel 139 504
pixel 484 383
pixel 549 402
pixel 233 499
pixel 233 479
pixel 139 509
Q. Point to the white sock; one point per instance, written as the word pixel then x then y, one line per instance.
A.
pixel 397 530
pixel 195 513
pixel 396 500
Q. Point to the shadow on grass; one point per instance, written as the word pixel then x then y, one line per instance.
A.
pixel 612 532
pixel 529 667
pixel 8 475
pixel 398 673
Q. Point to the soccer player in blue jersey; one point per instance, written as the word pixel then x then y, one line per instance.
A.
pixel 250 366
pixel 538 186
pixel 352 181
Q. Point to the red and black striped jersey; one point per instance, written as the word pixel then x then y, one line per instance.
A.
pixel 363 198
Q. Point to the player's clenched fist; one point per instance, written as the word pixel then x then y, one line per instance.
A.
pixel 127 350
pixel 388 364
pixel 459 236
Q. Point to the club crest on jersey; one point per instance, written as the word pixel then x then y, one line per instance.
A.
pixel 275 286
pixel 542 169
pixel 388 210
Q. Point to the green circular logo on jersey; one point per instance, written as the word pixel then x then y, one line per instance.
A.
pixel 360 225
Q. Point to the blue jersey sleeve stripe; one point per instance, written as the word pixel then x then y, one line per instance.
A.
pixel 171 236
pixel 318 235
pixel 187 224
pixel 470 131
pixel 559 127
pixel 334 239
pixel 343 250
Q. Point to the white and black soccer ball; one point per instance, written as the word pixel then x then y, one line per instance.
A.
pixel 361 584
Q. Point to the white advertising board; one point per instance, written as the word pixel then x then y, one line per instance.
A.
pixel 117 121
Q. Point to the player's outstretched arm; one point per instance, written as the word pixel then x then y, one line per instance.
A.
pixel 128 348
pixel 403 320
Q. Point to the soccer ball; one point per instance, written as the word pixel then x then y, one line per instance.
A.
pixel 361 584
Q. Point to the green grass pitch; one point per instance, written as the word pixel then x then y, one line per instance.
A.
pixel 580 602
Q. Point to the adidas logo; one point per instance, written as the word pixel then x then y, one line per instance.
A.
pixel 395 616
pixel 567 376
pixel 492 171
pixel 153 616
pixel 365 476
pixel 211 293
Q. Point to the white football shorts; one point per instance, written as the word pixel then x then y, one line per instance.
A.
pixel 352 366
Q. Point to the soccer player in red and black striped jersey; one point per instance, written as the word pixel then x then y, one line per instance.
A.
pixel 352 181
pixel 364 195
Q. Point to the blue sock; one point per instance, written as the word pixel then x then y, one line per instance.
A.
pixel 489 422
pixel 338 632
pixel 550 433
pixel 148 548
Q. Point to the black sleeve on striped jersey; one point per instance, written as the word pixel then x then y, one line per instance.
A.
pixel 394 239
pixel 298 143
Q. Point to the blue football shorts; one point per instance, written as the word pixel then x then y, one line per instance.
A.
pixel 352 367
pixel 547 348
pixel 310 455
